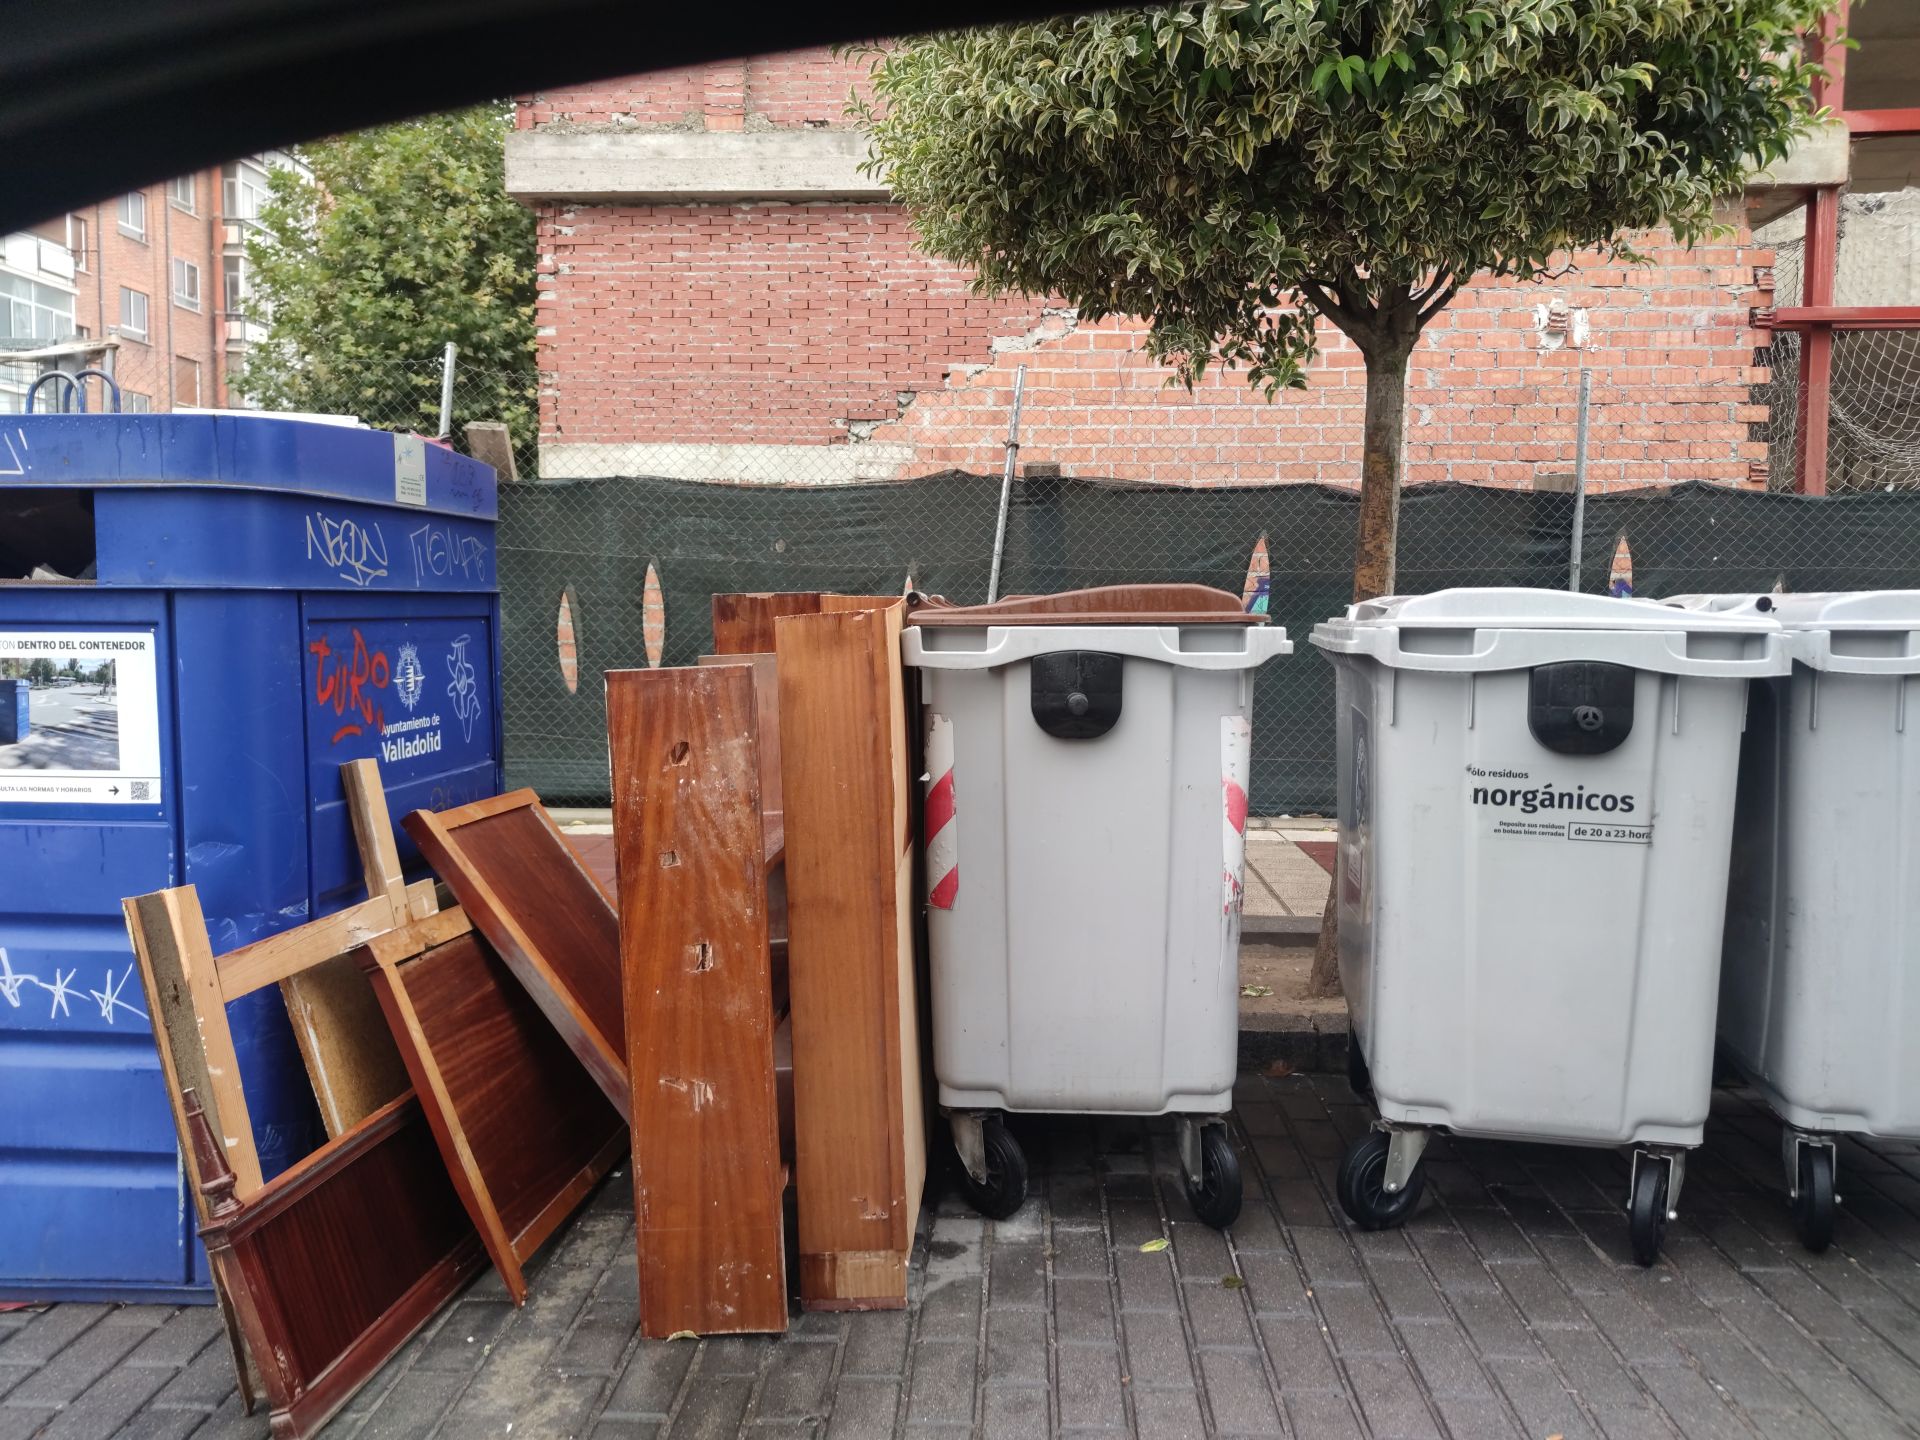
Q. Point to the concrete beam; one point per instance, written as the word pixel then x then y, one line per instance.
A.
pixel 676 167
pixel 1820 158
pixel 736 464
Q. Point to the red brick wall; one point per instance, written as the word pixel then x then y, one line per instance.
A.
pixel 819 325
pixel 802 87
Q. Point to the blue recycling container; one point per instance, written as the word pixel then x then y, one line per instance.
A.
pixel 201 618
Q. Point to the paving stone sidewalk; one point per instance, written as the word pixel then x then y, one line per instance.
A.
pixel 1507 1307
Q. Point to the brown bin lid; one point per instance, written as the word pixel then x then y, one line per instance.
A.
pixel 1102 605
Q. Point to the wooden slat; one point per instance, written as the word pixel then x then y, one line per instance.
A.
pixel 183 990
pixel 859 1146
pixel 336 1262
pixel 273 959
pixel 165 949
pixel 523 1129
pixel 516 875
pixel 707 1173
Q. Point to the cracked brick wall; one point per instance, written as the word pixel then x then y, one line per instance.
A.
pixel 794 328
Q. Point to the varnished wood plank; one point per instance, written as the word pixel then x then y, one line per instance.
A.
pixel 707 1174
pixel 515 874
pixel 373 831
pixel 743 624
pixel 524 1130
pixel 335 1263
pixel 183 990
pixel 859 1145
pixel 766 709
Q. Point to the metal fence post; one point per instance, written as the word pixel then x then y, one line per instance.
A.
pixel 446 391
pixel 1578 542
pixel 1006 484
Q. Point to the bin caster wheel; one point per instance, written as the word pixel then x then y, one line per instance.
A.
pixel 1647 1208
pixel 1363 1185
pixel 1814 1201
pixel 1005 1189
pixel 1215 1198
pixel 1359 1078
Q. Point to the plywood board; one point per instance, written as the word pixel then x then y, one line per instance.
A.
pixel 524 887
pixel 525 1132
pixel 336 1262
pixel 694 947
pixel 859 1145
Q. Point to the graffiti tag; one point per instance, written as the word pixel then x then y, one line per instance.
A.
pixel 347 682
pixel 463 691
pixel 440 553
pixel 356 553
pixel 60 989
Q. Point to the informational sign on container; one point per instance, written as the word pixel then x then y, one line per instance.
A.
pixel 79 718
pixel 1524 804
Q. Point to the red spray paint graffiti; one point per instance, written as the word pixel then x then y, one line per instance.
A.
pixel 347 682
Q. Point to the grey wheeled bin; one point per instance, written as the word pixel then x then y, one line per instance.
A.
pixel 1086 768
pixel 1820 975
pixel 1536 805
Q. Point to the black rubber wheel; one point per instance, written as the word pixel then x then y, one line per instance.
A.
pixel 1813 1206
pixel 1647 1210
pixel 1216 1199
pixel 1363 1192
pixel 1359 1078
pixel 1005 1190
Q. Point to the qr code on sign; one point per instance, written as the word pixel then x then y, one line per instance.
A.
pixel 139 790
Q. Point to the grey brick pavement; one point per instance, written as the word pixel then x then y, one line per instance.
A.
pixel 1507 1307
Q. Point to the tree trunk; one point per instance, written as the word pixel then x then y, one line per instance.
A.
pixel 1374 549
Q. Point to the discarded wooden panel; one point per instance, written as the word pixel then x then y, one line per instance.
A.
pixel 524 1131
pixel 743 624
pixel 352 1062
pixel 525 889
pixel 860 1137
pixel 766 709
pixel 694 947
pixel 336 1262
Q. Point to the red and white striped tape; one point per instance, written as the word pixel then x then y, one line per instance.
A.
pixel 942 831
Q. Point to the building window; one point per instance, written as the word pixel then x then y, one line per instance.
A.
pixel 134 403
pixel 133 313
pixel 186 284
pixel 180 193
pixel 186 381
pixel 133 214
pixel 234 273
pixel 81 332
pixel 77 240
pixel 32 311
pixel 244 190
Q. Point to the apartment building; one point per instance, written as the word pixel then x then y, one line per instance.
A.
pixel 150 286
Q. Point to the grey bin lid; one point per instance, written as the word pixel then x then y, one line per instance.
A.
pixel 1862 632
pixel 1509 628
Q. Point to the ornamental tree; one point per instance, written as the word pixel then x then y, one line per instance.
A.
pixel 403 238
pixel 1236 171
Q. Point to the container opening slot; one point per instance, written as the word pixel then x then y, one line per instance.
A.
pixel 1436 642
pixel 1213 639
pixel 46 535
pixel 1871 644
pixel 1725 647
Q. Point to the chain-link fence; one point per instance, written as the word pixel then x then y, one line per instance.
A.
pixel 613 561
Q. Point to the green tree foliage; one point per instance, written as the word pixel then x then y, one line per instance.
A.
pixel 1231 171
pixel 403 239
